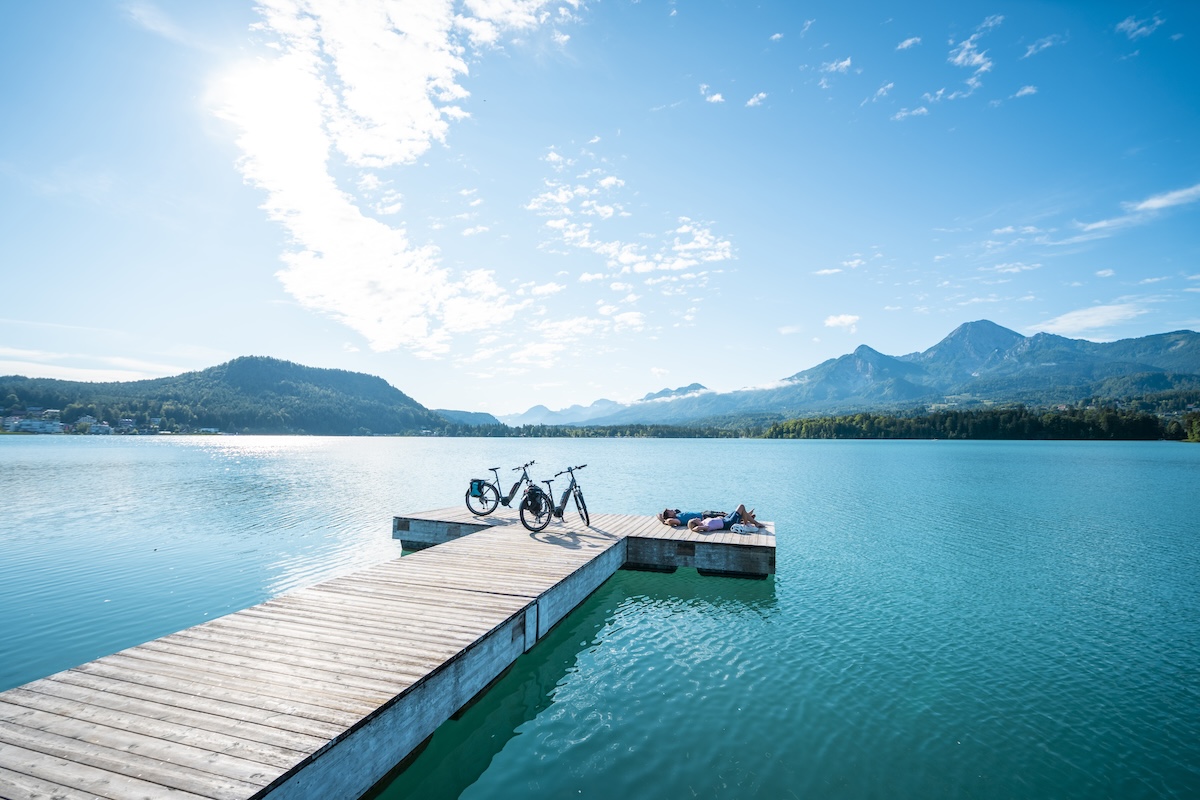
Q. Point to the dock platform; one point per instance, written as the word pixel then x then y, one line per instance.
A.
pixel 319 693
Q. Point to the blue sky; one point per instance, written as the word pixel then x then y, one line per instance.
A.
pixel 499 203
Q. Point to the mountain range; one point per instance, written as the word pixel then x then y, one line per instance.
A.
pixel 979 363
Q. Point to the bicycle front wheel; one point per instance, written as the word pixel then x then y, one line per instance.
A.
pixel 485 503
pixel 535 512
pixel 582 506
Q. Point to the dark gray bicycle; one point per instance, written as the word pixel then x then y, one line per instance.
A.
pixel 538 506
pixel 483 495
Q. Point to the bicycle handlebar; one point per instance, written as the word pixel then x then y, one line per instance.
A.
pixel 570 469
pixel 523 466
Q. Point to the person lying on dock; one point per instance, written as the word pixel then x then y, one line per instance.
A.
pixel 697 520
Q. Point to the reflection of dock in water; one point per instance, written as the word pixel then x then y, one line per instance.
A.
pixel 321 692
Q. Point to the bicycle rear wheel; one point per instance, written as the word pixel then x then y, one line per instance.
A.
pixel 535 511
pixel 582 506
pixel 485 503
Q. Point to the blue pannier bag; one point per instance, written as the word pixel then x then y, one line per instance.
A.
pixel 477 485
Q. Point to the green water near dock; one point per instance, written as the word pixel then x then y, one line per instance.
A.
pixel 987 619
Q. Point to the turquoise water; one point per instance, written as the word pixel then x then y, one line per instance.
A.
pixel 987 619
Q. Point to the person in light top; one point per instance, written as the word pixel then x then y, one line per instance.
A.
pixel 707 521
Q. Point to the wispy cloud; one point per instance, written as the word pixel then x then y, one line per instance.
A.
pixel 830 271
pixel 775 37
pixel 756 100
pixel 880 93
pixel 836 66
pixel 1042 44
pixel 154 19
pixel 808 23
pixel 712 97
pixel 1094 318
pixel 1011 269
pixel 1025 91
pixel 904 113
pixel 1105 273
pixel 1139 28
pixel 912 41
pixel 1138 213
pixel 967 54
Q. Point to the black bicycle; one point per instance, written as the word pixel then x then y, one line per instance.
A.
pixel 538 505
pixel 483 495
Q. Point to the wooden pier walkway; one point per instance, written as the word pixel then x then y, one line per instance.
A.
pixel 319 693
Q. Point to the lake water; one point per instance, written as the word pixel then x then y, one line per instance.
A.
pixel 985 619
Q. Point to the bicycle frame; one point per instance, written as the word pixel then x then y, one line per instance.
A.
pixel 505 499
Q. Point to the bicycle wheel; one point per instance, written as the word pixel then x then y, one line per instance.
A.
pixel 535 511
pixel 485 503
pixel 582 506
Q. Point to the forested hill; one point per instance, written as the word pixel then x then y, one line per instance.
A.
pixel 247 395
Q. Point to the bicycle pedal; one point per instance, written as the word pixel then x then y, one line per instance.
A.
pixel 558 515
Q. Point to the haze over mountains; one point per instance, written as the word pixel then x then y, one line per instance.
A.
pixel 979 363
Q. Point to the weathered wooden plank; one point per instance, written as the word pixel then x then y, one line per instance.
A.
pixel 279 683
pixel 85 780
pixel 240 659
pixel 43 712
pixel 208 719
pixel 16 785
pixel 176 775
pixel 193 700
pixel 193 677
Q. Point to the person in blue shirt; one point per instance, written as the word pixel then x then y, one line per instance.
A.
pixel 674 517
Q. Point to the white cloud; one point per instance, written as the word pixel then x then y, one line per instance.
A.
pixel 1167 199
pixel 967 54
pixel 546 289
pixel 807 24
pixel 788 330
pixel 833 271
pixel 1105 273
pixel 1152 280
pixel 756 100
pixel 836 66
pixel 880 93
pixel 904 113
pixel 1042 44
pixel 373 88
pixel 1025 91
pixel 587 277
pixel 1139 28
pixel 775 37
pixel 155 20
pixel 1011 268
pixel 629 321
pixel 715 98
pixel 561 38
pixel 910 42
pixel 475 230
pixel 1138 213
pixel 1075 323
pixel 847 321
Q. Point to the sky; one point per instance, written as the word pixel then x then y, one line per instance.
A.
pixel 494 204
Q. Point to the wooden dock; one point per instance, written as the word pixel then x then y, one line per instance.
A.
pixel 321 692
